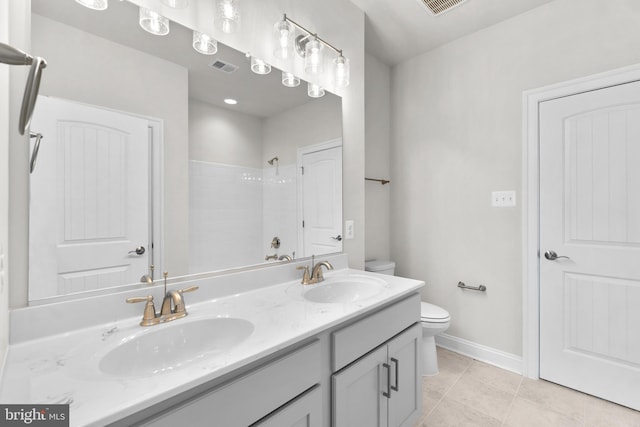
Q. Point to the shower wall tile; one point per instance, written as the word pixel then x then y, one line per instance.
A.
pixel 225 216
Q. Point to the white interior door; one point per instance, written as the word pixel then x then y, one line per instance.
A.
pixel 590 213
pixel 89 203
pixel 321 178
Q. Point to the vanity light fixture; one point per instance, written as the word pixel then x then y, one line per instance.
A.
pixel 176 4
pixel 342 73
pixel 204 44
pixel 258 66
pixel 283 33
pixel 94 4
pixel 311 47
pixel 230 101
pixel 154 23
pixel 290 80
pixel 314 91
pixel 314 56
pixel 227 15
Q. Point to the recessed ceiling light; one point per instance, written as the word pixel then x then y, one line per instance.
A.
pixel 230 101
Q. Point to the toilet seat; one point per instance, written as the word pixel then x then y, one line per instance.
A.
pixel 431 313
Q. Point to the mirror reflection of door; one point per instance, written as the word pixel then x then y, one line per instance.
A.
pixel 321 196
pixel 90 199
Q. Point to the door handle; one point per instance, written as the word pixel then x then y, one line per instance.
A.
pixel 138 251
pixel 552 256
pixel 396 387
pixel 338 238
pixel 387 393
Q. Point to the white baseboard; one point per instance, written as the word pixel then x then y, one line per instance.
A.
pixel 489 355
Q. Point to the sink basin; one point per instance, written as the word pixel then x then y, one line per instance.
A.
pixel 167 347
pixel 344 289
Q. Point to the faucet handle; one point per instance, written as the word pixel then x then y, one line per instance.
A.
pixel 306 277
pixel 149 316
pixel 189 289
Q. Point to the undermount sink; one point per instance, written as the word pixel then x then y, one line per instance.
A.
pixel 344 289
pixel 167 347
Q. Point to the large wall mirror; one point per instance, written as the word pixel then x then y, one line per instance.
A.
pixel 143 161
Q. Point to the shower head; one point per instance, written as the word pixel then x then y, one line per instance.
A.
pixel 275 159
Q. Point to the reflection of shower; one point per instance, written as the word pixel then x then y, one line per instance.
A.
pixel 275 159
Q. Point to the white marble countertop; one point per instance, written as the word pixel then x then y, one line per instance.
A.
pixel 63 368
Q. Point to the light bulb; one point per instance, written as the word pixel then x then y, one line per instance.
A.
pixel 176 4
pixel 314 91
pixel 342 73
pixel 258 66
pixel 94 4
pixel 204 44
pixel 290 80
pixel 227 15
pixel 283 34
pixel 153 22
pixel 314 60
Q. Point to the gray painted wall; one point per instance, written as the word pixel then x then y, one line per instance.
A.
pixel 457 136
pixel 377 159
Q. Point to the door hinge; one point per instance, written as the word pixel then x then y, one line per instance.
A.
pixel 302 169
pixel 303 223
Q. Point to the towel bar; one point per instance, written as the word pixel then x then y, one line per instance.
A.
pixel 480 288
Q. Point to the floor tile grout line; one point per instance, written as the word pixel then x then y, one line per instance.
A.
pixel 513 401
pixel 424 418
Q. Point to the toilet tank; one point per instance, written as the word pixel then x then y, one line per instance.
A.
pixel 380 266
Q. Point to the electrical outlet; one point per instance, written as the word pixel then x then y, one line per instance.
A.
pixel 349 231
pixel 503 199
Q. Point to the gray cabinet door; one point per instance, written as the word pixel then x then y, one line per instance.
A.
pixel 357 398
pixel 405 404
pixel 303 411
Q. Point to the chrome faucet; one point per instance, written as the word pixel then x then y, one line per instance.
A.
pixel 316 271
pixel 172 306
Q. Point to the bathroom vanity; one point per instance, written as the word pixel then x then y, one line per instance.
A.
pixel 257 348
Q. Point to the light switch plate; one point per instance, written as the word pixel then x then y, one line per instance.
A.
pixel 349 231
pixel 503 199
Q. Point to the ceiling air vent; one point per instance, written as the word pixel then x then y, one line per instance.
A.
pixel 438 7
pixel 225 67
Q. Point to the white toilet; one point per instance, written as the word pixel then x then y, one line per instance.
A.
pixel 434 319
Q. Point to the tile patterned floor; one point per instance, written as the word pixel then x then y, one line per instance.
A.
pixel 470 393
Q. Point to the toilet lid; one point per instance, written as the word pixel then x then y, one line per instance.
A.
pixel 379 265
pixel 431 312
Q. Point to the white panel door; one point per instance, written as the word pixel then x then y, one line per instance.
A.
pixel 89 202
pixel 590 214
pixel 322 201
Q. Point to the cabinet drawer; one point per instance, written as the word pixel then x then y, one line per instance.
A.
pixel 252 396
pixel 351 342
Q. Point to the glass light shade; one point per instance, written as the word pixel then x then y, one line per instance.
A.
pixel 313 58
pixel 289 80
pixel 153 22
pixel 314 91
pixel 204 44
pixel 227 15
pixel 342 73
pixel 283 33
pixel 176 4
pixel 258 66
pixel 94 4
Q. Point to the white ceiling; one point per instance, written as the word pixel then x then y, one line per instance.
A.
pixel 397 30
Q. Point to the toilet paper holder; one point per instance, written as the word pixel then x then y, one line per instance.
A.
pixel 480 288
